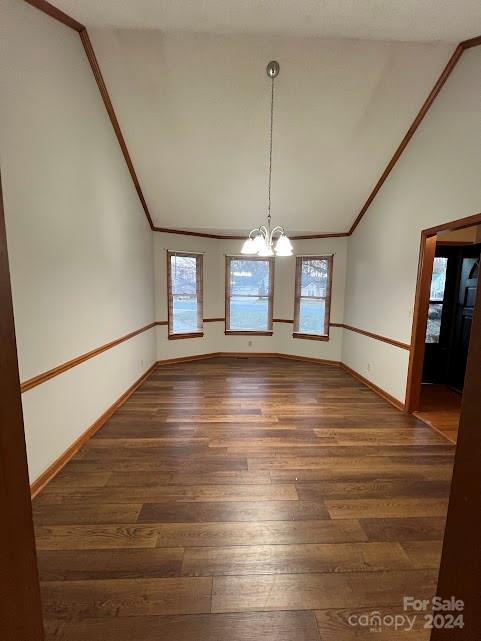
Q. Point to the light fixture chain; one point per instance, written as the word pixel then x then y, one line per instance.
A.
pixel 260 241
pixel 270 151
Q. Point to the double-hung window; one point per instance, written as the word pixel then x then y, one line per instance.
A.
pixel 249 295
pixel 312 297
pixel 184 287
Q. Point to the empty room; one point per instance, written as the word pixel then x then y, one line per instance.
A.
pixel 240 321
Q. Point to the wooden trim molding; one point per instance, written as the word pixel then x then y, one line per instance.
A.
pixel 67 20
pixel 62 460
pixel 60 369
pixel 379 391
pixel 201 234
pixel 471 42
pixel 269 296
pixel 420 320
pixel 57 14
pixel 377 337
pixel 342 234
pixel 199 291
pixel 310 337
pixel 70 452
pixel 453 61
pixel 300 260
pixel 454 225
pixel 187 359
pixel 234 332
pixel 175 337
pixel 421 304
pixel 92 58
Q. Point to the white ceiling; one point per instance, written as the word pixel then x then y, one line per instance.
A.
pixel 194 109
pixel 404 20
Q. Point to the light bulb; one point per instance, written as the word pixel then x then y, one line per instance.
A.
pixel 266 250
pixel 283 246
pixel 260 243
pixel 249 247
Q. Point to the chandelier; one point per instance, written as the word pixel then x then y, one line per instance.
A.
pixel 261 240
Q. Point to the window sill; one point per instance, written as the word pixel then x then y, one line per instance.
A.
pixel 235 332
pixel 310 337
pixel 174 337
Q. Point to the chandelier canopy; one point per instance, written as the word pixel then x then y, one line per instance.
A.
pixel 262 240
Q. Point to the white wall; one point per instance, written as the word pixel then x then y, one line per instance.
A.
pixel 214 339
pixel 436 180
pixel 80 247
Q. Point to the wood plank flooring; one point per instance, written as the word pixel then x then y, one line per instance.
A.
pixel 241 500
pixel 441 409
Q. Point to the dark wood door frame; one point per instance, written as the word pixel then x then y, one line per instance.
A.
pixel 421 305
pixel 20 606
pixel 460 571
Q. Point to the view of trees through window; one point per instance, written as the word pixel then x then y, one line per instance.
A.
pixel 249 294
pixel 184 294
pixel 436 302
pixel 312 295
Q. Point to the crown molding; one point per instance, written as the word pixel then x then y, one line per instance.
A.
pixel 57 14
pixel 187 232
pixel 441 81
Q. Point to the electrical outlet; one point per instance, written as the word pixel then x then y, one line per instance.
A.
pixel 369 367
pixel 249 343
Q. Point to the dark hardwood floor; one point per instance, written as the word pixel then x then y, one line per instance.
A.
pixel 241 500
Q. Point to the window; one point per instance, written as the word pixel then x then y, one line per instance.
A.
pixel 313 297
pixel 436 299
pixel 184 287
pixel 248 296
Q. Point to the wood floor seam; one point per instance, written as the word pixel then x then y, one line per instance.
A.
pixel 241 500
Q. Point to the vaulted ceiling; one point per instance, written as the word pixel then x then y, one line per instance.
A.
pixel 406 20
pixel 194 107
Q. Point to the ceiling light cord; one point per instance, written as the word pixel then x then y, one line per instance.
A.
pixel 270 153
pixel 260 241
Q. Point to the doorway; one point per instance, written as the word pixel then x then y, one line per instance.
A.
pixel 446 295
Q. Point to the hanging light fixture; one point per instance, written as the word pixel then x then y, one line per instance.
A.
pixel 261 239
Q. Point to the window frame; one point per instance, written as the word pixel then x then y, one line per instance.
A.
pixel 199 277
pixel 270 296
pixel 327 298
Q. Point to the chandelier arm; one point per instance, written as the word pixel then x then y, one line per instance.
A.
pixel 279 229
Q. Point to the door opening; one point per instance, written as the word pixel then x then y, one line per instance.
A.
pixel 445 299
pixel 450 312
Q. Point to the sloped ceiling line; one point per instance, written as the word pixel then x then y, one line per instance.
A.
pixel 67 20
